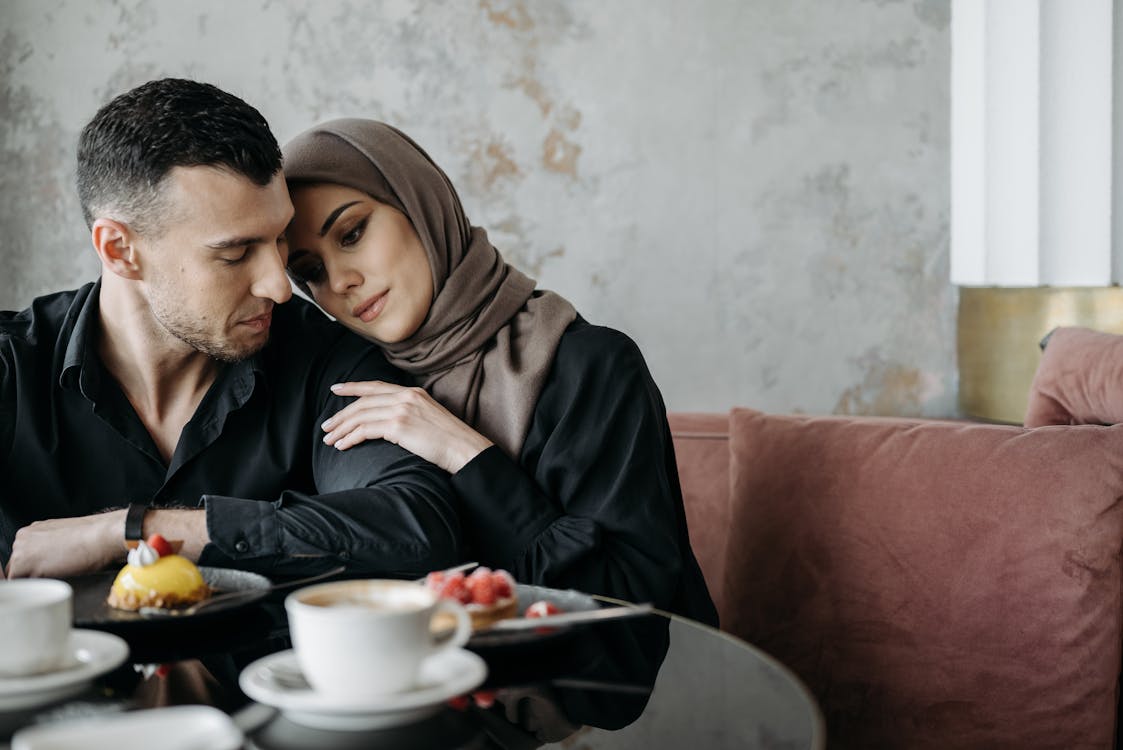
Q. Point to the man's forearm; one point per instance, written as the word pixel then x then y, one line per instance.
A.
pixel 188 525
pixel 61 547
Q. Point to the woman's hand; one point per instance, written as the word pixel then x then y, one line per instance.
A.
pixel 408 417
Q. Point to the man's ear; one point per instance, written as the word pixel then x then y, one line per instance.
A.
pixel 115 243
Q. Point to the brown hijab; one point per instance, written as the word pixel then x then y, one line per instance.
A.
pixel 487 345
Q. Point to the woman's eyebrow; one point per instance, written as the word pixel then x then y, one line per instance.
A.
pixel 333 216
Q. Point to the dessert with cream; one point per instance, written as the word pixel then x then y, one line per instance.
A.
pixel 487 595
pixel 157 577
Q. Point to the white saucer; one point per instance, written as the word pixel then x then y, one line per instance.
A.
pixel 92 653
pixel 172 726
pixel 443 676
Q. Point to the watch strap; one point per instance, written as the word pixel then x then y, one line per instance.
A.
pixel 134 523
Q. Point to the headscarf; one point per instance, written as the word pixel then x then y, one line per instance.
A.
pixel 487 345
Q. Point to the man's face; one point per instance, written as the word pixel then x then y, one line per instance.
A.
pixel 213 275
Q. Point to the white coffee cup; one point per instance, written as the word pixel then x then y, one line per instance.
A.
pixel 35 621
pixel 359 640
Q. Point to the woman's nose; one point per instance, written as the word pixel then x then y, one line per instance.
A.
pixel 342 279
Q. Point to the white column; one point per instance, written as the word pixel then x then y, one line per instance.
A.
pixel 1031 142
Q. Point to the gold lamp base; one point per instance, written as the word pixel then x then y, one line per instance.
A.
pixel 998 333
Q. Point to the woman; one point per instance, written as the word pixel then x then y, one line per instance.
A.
pixel 552 429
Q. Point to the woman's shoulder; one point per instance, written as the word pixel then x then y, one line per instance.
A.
pixel 588 347
pixel 599 377
pixel 596 357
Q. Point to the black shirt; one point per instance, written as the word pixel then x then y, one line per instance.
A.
pixel 594 502
pixel 277 499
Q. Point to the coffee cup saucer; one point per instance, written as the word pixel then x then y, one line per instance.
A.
pixel 91 653
pixel 276 681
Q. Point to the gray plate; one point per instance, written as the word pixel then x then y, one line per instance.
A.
pixel 91 610
pixel 567 600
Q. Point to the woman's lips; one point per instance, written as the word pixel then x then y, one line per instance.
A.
pixel 370 309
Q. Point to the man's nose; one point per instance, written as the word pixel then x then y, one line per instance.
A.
pixel 271 281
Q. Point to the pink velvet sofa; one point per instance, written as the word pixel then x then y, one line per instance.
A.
pixel 936 584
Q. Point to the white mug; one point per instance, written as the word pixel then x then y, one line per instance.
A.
pixel 359 640
pixel 35 621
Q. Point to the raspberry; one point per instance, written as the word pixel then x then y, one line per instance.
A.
pixel 159 545
pixel 454 587
pixel 503 583
pixel 541 609
pixel 482 588
pixel 484 698
pixel 458 703
pixel 480 572
pixel 435 580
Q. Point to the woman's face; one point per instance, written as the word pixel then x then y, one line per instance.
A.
pixel 362 260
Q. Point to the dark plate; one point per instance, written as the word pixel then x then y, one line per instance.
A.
pixel 92 611
pixel 567 600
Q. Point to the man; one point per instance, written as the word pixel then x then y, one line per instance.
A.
pixel 183 390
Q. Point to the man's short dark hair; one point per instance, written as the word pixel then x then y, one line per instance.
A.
pixel 133 142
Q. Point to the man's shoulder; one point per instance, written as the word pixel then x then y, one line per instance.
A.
pixel 302 333
pixel 300 324
pixel 45 320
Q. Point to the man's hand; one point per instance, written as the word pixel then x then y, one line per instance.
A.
pixel 409 417
pixel 62 547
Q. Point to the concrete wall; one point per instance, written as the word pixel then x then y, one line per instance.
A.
pixel 755 190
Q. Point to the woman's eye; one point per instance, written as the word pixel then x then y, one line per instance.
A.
pixel 308 272
pixel 353 235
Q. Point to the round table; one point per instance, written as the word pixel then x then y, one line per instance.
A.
pixel 652 681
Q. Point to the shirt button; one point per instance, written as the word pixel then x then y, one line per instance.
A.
pixel 241 546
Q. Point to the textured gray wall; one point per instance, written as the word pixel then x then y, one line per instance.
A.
pixel 755 190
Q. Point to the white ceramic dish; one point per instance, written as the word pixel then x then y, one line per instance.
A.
pixel 174 728
pixel 92 653
pixel 566 600
pixel 275 681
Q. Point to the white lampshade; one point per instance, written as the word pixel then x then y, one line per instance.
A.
pixel 1032 143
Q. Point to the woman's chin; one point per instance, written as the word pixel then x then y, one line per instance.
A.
pixel 373 333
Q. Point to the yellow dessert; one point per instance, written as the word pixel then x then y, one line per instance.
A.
pixel 166 582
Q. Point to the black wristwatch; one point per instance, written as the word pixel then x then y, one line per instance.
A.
pixel 134 524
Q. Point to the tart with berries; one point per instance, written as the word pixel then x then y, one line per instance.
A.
pixel 488 595
pixel 155 576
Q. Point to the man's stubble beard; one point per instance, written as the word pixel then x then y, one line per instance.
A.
pixel 186 329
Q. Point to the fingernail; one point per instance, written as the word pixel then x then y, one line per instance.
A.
pixel 326 425
pixel 337 386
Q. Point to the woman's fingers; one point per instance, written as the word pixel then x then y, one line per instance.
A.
pixel 401 419
pixel 372 394
pixel 408 417
pixel 367 420
pixel 365 388
pixel 360 433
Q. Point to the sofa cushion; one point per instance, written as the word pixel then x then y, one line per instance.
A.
pixel 702 451
pixel 935 584
pixel 1079 380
